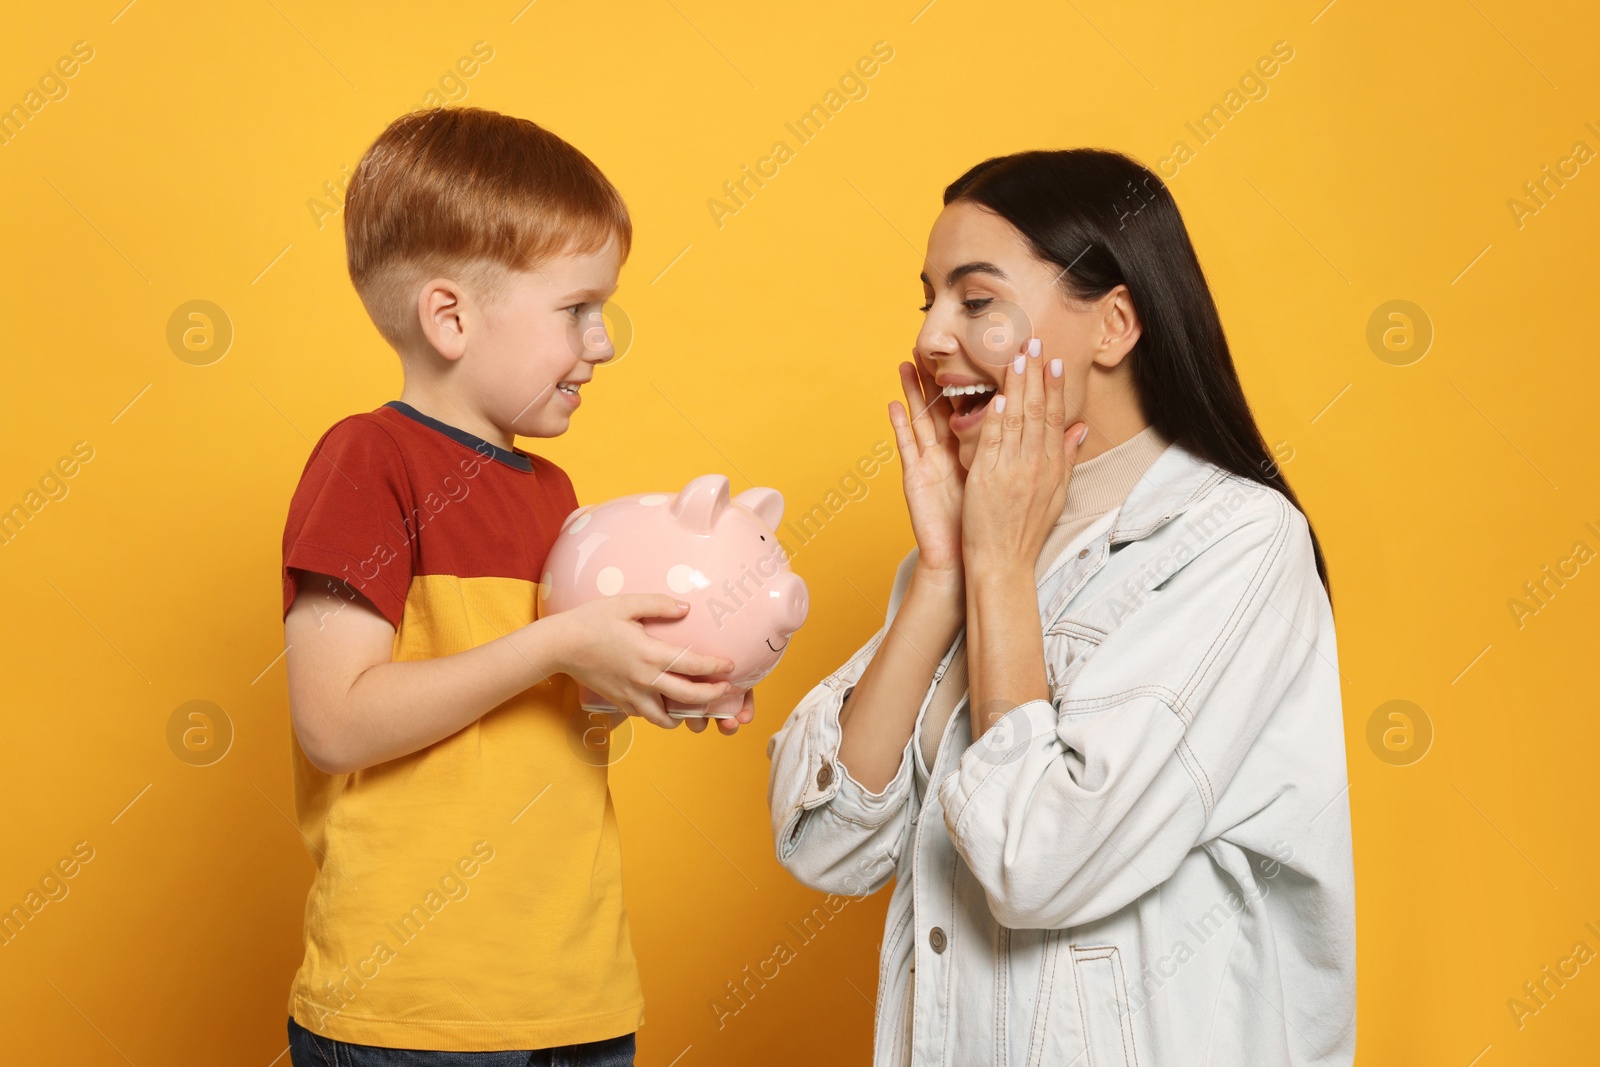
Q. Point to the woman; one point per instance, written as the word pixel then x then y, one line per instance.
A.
pixel 1098 742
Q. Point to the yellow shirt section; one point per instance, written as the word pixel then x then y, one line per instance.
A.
pixel 468 897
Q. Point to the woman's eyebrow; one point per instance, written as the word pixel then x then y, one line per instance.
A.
pixel 965 269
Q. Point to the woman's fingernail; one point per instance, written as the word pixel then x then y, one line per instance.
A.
pixel 1055 367
pixel 1018 364
pixel 1000 404
pixel 1083 434
pixel 1035 346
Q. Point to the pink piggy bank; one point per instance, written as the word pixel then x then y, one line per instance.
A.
pixel 719 555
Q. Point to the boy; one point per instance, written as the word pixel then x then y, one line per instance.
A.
pixel 467 899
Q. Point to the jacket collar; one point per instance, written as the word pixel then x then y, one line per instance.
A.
pixel 1169 486
pixel 1175 480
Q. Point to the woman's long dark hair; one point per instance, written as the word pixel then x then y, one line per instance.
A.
pixel 1106 221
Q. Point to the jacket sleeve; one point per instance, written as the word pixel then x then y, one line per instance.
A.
pixel 830 832
pixel 1069 809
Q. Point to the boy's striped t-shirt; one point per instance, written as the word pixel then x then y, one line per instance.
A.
pixel 448 910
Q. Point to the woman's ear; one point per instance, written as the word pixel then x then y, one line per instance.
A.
pixel 1120 328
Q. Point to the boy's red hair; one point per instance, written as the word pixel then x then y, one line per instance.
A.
pixel 473 193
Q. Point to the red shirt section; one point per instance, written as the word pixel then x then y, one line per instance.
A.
pixel 391 494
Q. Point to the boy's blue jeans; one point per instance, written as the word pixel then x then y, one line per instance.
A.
pixel 312 1050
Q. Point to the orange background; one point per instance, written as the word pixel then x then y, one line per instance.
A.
pixel 1380 165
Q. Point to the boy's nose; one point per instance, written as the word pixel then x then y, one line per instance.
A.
pixel 597 347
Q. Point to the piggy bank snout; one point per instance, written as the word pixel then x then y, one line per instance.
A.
pixel 793 602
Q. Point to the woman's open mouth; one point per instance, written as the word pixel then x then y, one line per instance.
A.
pixel 968 403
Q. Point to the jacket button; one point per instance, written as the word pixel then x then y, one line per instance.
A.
pixel 1084 554
pixel 824 776
pixel 936 939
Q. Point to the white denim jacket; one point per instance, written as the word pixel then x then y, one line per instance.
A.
pixel 1151 868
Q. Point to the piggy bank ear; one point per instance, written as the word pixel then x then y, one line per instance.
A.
pixel 766 503
pixel 701 501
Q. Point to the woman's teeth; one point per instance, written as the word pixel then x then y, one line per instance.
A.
pixel 972 397
pixel 568 387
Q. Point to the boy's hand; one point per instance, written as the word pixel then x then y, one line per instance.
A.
pixel 603 645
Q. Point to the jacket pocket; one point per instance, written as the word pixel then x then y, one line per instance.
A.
pixel 1103 1003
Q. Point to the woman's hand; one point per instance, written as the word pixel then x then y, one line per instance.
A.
pixel 932 470
pixel 1017 483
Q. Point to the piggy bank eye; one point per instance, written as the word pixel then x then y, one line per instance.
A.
pixel 763 537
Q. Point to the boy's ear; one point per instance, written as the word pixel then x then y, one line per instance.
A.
pixel 439 312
